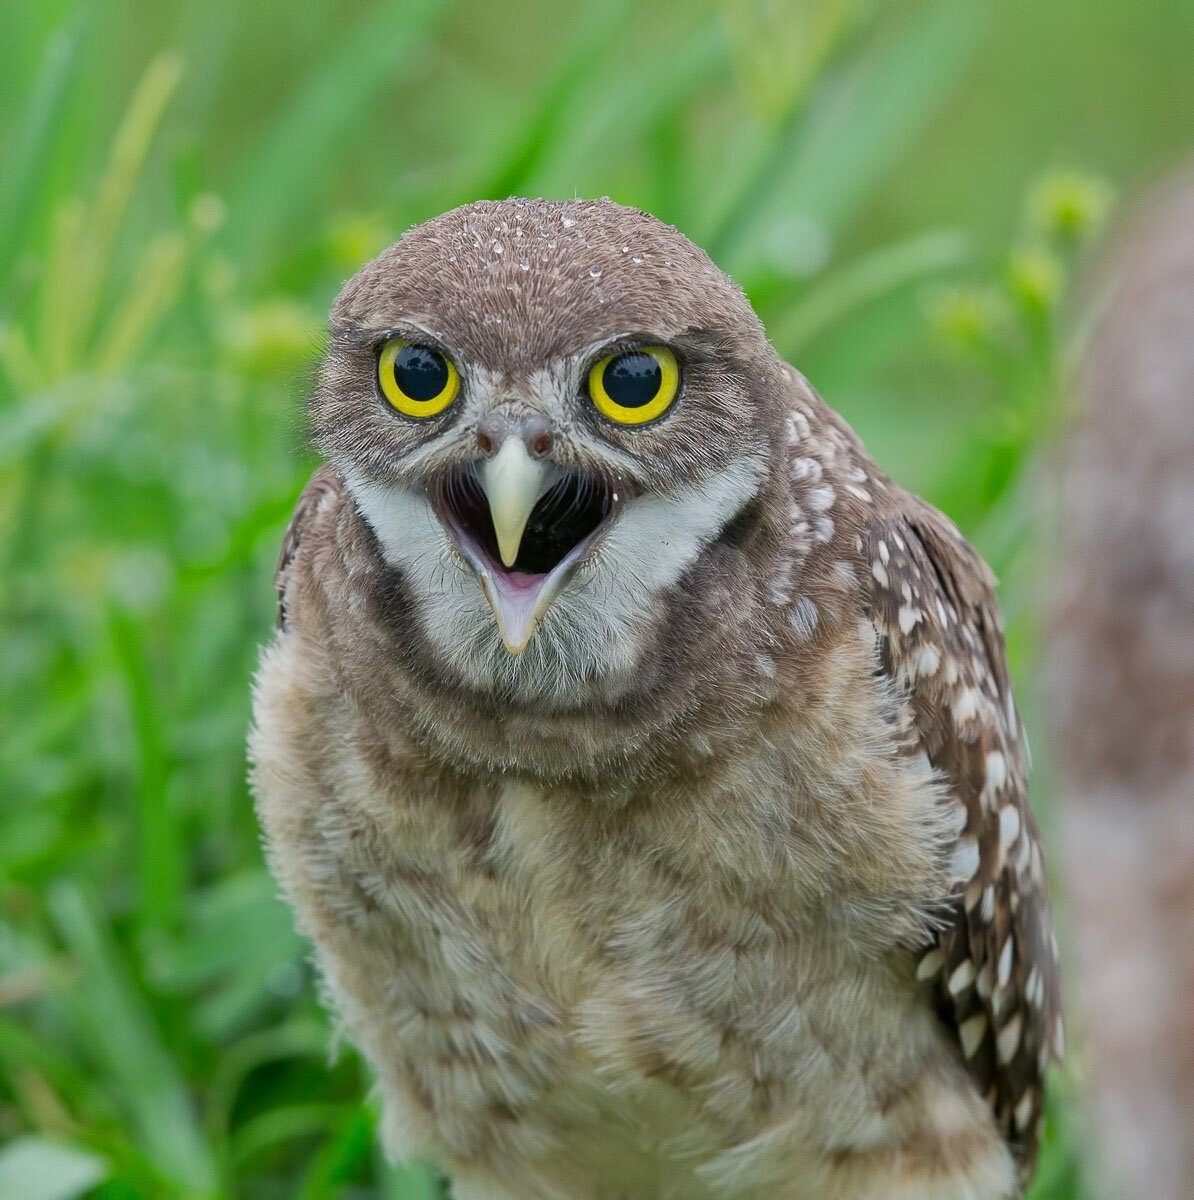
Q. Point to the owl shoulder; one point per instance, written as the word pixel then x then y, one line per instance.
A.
pixel 991 968
pixel 323 494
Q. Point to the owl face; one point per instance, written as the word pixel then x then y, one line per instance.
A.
pixel 546 412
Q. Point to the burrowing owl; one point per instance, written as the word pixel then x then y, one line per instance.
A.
pixel 1121 666
pixel 639 758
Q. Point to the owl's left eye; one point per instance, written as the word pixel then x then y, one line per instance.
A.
pixel 417 380
pixel 635 386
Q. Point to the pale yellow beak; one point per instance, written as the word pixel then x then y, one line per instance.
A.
pixel 513 482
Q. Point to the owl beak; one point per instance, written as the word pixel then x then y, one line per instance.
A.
pixel 513 483
pixel 517 610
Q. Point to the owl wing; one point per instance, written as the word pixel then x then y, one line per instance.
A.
pixel 323 488
pixel 992 967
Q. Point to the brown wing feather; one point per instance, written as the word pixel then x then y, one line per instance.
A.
pixel 323 487
pixel 993 967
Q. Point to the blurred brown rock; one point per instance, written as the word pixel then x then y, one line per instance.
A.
pixel 1121 676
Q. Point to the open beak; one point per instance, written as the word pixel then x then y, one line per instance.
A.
pixel 513 483
pixel 524 525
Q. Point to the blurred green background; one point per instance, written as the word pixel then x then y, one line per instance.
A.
pixel 906 190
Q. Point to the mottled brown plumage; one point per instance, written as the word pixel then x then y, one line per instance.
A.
pixel 641 910
pixel 995 963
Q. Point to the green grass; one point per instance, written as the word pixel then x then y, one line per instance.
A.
pixel 185 186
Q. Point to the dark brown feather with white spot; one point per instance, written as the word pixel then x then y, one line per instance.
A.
pixel 993 967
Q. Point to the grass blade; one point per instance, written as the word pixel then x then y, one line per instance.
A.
pixel 865 281
pixel 149 296
pixel 37 1168
pixel 410 1181
pixel 644 100
pixel 159 852
pixel 31 148
pixel 75 316
pixel 826 162
pixel 280 175
pixel 520 161
pixel 114 1022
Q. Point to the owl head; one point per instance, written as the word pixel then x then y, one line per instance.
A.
pixel 549 414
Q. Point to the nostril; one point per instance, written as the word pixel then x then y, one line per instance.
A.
pixel 541 444
pixel 485 443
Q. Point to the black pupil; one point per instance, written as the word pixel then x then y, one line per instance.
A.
pixel 633 380
pixel 420 372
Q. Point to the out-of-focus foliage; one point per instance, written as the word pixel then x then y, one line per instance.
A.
pixel 185 185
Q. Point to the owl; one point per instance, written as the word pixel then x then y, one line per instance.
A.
pixel 1120 666
pixel 640 760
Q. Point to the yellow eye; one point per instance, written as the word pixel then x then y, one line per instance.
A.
pixel 635 386
pixel 417 380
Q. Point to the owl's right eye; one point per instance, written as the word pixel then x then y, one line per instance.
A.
pixel 416 380
pixel 635 386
